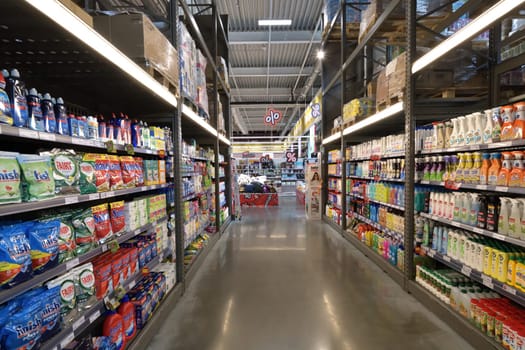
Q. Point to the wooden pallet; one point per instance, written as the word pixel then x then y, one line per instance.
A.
pixel 165 81
pixel 352 32
pixel 391 100
pixel 192 105
pixel 336 130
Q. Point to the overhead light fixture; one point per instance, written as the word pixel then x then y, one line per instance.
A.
pixel 332 138
pixel 320 54
pixel 66 19
pixel 475 27
pixel 275 22
pixel 187 111
pixel 384 114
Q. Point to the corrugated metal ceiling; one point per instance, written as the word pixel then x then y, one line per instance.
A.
pixel 253 55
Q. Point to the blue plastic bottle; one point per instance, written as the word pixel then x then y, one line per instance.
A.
pixel 48 114
pixel 135 134
pixel 15 91
pixel 34 120
pixel 73 126
pixel 62 127
pixel 5 105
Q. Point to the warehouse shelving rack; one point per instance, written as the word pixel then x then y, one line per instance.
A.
pixel 347 69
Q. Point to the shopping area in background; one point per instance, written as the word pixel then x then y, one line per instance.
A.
pixel 479 237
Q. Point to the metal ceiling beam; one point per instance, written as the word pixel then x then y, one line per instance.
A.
pixel 240 72
pixel 278 37
pixel 264 104
pixel 240 92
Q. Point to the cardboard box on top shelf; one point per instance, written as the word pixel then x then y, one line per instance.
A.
pixel 371 89
pixel 382 90
pixel 78 11
pixel 137 37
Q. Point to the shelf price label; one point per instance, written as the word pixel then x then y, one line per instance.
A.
pixel 466 270
pixel 68 339
pixel 78 323
pixel 509 289
pixel 499 237
pixel 94 317
pixel 47 136
pixel 446 258
pixel 487 281
pixel 30 134
pixel 129 149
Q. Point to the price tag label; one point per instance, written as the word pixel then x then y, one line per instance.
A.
pixel 478 230
pixel 137 231
pixel 30 134
pixel 47 136
pixel 110 194
pixel 499 237
pixel 509 289
pixel 487 281
pixel 78 323
pixel 104 248
pixel 78 141
pixel 110 147
pixel 446 258
pixel 475 147
pixel 482 187
pixel 430 253
pixel 94 317
pixel 94 196
pixel 72 263
pixel 129 149
pixel 501 189
pixel 71 200
pixel 68 339
pixel 466 270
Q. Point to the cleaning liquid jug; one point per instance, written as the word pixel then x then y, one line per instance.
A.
pixel 478 127
pixel 461 135
pixel 506 168
pixel 474 209
pixel 519 122
pixel 494 169
pixel 469 134
pixel 487 131
pixel 476 168
pixel 34 118
pixel 61 117
pixel 16 92
pixel 507 129
pixel 449 129
pixel 5 105
pixel 496 124
pixel 459 170
pixel 465 210
pixel 522 223
pixel 468 163
pixel 127 311
pixel 516 173
pixel 514 229
pixel 503 217
pixel 453 138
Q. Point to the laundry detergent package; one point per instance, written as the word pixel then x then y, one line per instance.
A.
pixel 65 171
pixel 102 174
pixel 84 225
pixel 103 277
pixel 84 286
pixel 118 217
pixel 115 173
pixel 128 166
pixel 9 178
pixel 139 171
pixel 15 255
pixel 103 343
pixel 37 178
pixel 68 300
pixel 43 239
pixel 102 222
pixel 87 178
pixel 23 329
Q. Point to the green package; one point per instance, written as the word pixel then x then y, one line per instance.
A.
pixel 84 225
pixel 66 235
pixel 87 179
pixel 9 178
pixel 37 178
pixel 65 170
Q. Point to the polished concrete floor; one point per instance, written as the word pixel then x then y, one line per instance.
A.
pixel 278 282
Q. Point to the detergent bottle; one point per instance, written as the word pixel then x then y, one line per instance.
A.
pixel 16 92
pixel 522 222
pixel 517 169
pixel 449 129
pixel 48 113
pixel 484 171
pixel 5 105
pixel 478 127
pixel 474 209
pixel 468 163
pixel 454 134
pixel 61 117
pixel 34 118
pixel 476 168
pixel 114 329
pixel 487 131
pixel 127 311
pixel 459 170
pixel 496 124
pixel 516 210
pixel 519 123
pixel 507 129
pixel 503 218
pixel 469 134
pixel 493 173
pixel 461 135
pixel 506 168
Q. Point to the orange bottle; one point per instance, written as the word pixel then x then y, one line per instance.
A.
pixel 519 123
pixel 507 129
pixel 495 166
pixel 484 171
pixel 516 174
pixel 506 168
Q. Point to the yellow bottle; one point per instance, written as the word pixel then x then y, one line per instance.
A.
pixel 469 163
pixel 487 262
pixel 494 263
pixel 511 271
pixel 460 169
pixel 503 262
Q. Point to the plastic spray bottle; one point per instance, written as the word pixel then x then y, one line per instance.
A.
pixel 514 229
pixel 503 218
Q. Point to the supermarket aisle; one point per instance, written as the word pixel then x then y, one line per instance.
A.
pixel 279 282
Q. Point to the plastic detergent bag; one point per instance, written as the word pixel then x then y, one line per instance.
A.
pixel 37 178
pixel 23 330
pixel 102 222
pixel 128 165
pixel 65 170
pixel 43 239
pixel 115 173
pixel 15 257
pixel 87 179
pixel 84 225
pixel 9 178
pixel 50 304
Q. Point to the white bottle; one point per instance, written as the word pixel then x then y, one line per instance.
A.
pixel 469 134
pixel 461 247
pixel 479 122
pixel 461 135
pixel 458 205
pixel 451 200
pixel 504 213
pixel 449 129
pixel 474 209
pixel 440 201
pixel 465 210
pixel 454 135
pixel 487 131
pixel 515 216
pixel 522 223
pixel 431 203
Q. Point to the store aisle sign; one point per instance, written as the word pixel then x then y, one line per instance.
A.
pixel 273 117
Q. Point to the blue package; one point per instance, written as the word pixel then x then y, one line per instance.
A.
pixel 15 256
pixel 43 239
pixel 23 330
pixel 103 343
pixel 73 126
pixel 50 304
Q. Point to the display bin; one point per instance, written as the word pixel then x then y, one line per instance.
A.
pixel 259 199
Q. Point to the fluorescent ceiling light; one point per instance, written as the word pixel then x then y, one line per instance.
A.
pixel 475 27
pixel 62 16
pixel 320 54
pixel 332 138
pixel 275 22
pixel 386 113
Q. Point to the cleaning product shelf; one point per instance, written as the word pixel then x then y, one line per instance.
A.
pixel 374 179
pixel 66 336
pixel 377 226
pixel 331 223
pixel 37 280
pixel 194 195
pixel 489 282
pixel 203 226
pixel 202 159
pixel 198 260
pixel 17 208
pixel 477 230
pixel 489 188
pixel 393 206
pixel 378 157
pixel 486 146
pixel 27 134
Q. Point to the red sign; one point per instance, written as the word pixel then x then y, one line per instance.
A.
pixel 273 117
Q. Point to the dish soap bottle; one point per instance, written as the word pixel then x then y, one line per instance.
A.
pixel 48 114
pixel 476 168
pixel 507 129
pixel 503 217
pixel 517 169
pixel 519 123
pixel 62 127
pixel 461 135
pixel 496 124
pixel 484 171
pixel 454 134
pixel 16 92
pixel 478 128
pixel 506 168
pixel 5 105
pixel 34 120
pixel 487 131
pixel 469 134
pixel 514 229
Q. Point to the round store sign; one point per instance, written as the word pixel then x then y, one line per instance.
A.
pixel 273 117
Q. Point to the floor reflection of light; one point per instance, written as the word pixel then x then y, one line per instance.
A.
pixel 271 249
pixel 334 321
pixel 280 236
pixel 226 323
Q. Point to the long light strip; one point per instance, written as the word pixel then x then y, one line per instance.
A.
pixel 62 16
pixel 188 112
pixel 275 22
pixel 475 27
pixel 384 114
pixel 332 138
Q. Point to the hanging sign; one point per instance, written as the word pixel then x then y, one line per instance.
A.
pixel 291 156
pixel 265 159
pixel 273 117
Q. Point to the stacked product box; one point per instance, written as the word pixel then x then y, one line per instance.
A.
pixel 154 172
pixel 187 55
pixel 146 296
pixel 112 269
pixel 146 245
pixel 156 207
pixel 170 272
pixel 200 81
